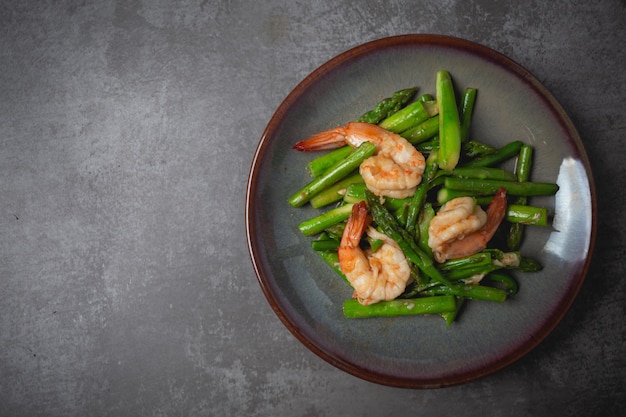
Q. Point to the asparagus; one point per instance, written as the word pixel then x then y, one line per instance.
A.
pixel 507 151
pixel 388 106
pixel 356 192
pixel 325 245
pixel 480 258
pixel 491 186
pixel 426 97
pixel 412 115
pixel 423 131
pixel 430 146
pixel 483 173
pixel 507 282
pixel 335 192
pixel 520 215
pixel 423 221
pixel 449 123
pixel 451 316
pixel 516 230
pixel 337 172
pixel 419 198
pixel 319 223
pixel 400 307
pixel 445 194
pixel 474 292
pixel 467 108
pixel 319 165
pixel 475 149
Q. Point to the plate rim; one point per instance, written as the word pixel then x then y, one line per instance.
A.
pixel 336 62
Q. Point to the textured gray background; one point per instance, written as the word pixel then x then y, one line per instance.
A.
pixel 127 129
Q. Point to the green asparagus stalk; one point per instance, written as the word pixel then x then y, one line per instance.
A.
pixel 474 292
pixel 476 149
pixel 491 186
pixel 507 151
pixel 523 166
pixel 319 223
pixel 412 115
pixel 400 307
pixel 525 215
pixel 467 109
pixel 426 97
pixel 445 194
pixel 356 192
pixel 449 123
pixel 514 260
pixel 322 163
pixel 509 284
pixel 335 192
pixel 428 129
pixel 430 146
pixel 337 172
pixel 472 271
pixel 482 173
pixel 419 198
pixel 423 222
pixel 325 245
pixel 388 106
pixel 451 316
pixel 478 259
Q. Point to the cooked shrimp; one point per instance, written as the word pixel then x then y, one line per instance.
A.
pixel 394 171
pixel 461 227
pixel 375 276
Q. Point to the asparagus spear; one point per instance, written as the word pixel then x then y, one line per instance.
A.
pixel 507 151
pixel 337 172
pixel 482 173
pixel 401 307
pixel 319 165
pixel 491 186
pixel 419 198
pixel 412 115
pixel 319 223
pixel 449 123
pixel 524 160
pixel 467 108
pixel 388 106
pixel 474 149
pixel 335 192
pixel 520 215
pixel 423 131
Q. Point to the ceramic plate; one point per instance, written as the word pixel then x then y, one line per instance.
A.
pixel 420 352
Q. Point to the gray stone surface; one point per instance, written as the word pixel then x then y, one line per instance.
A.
pixel 127 129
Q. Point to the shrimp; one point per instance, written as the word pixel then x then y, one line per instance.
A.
pixel 461 227
pixel 375 276
pixel 395 170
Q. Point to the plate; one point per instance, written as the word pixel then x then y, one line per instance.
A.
pixel 420 352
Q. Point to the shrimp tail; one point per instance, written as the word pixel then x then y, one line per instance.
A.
pixel 323 141
pixel 495 214
pixel 356 225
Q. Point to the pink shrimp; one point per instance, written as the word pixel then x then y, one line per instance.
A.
pixel 394 171
pixel 462 228
pixel 375 276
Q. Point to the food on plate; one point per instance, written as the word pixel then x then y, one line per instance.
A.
pixel 416 216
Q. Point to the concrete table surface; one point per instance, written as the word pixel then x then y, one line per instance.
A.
pixel 127 129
